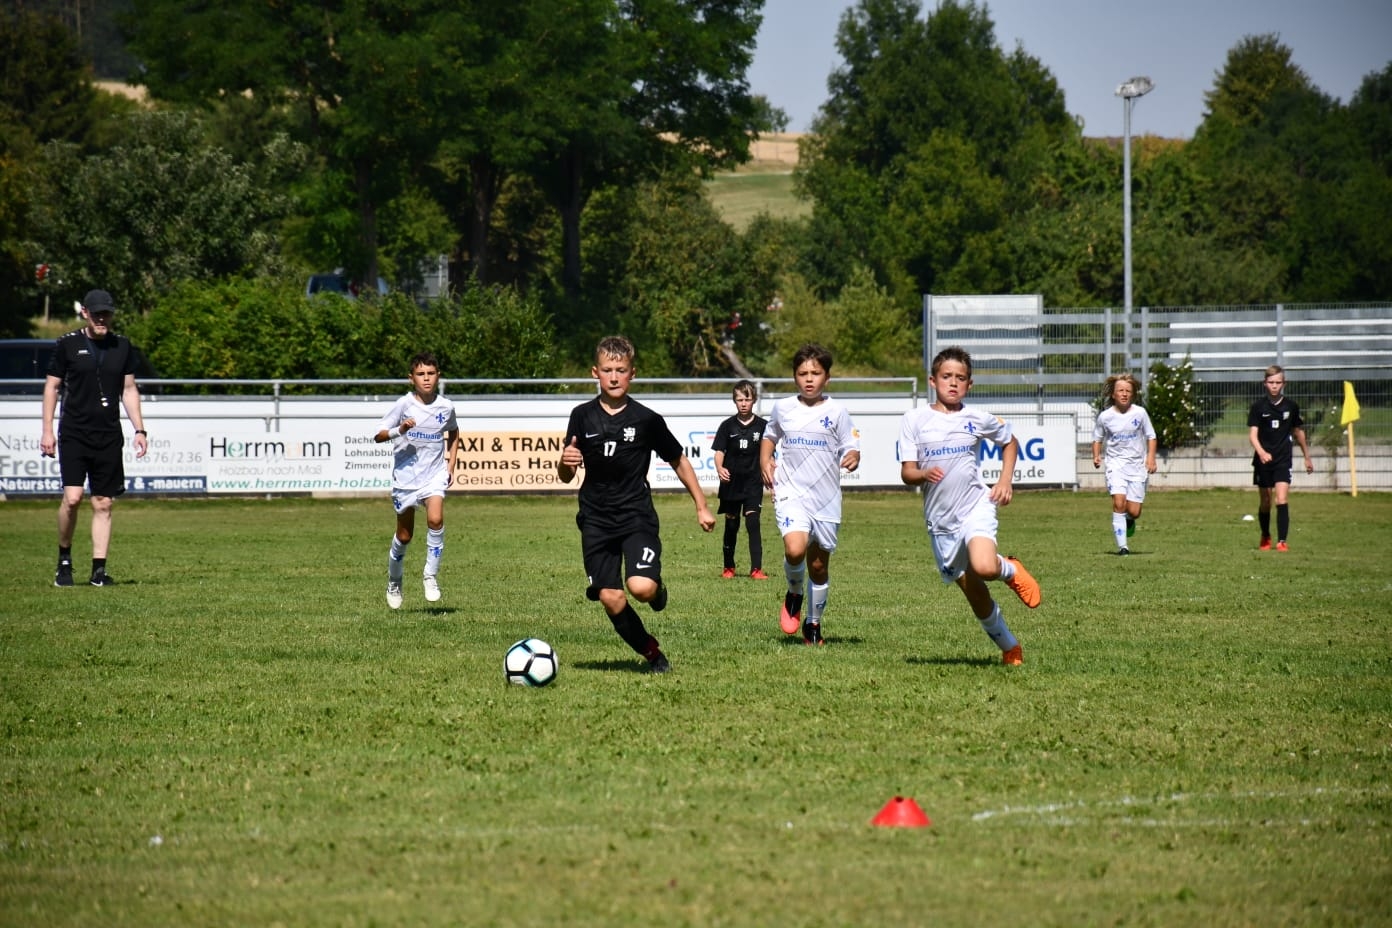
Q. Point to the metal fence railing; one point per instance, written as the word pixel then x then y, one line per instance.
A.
pixel 1056 360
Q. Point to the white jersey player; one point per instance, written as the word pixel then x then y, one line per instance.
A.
pixel 815 439
pixel 424 435
pixel 939 449
pixel 1124 437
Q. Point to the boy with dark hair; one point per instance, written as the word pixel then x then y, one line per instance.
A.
pixel 425 442
pixel 939 450
pixel 614 437
pixel 815 439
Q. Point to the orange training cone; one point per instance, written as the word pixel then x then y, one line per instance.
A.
pixel 901 812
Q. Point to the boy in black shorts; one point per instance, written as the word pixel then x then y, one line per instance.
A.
pixel 736 447
pixel 614 437
pixel 1273 422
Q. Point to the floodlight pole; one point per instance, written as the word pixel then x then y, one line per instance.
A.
pixel 1129 91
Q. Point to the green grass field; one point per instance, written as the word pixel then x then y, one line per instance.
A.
pixel 242 733
pixel 743 195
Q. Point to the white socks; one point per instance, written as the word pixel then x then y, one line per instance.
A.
pixel 797 576
pixel 1119 529
pixel 396 566
pixel 817 600
pixel 994 626
pixel 434 550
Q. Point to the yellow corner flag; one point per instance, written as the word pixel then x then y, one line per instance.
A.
pixel 1350 410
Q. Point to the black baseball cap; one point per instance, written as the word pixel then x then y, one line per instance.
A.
pixel 98 301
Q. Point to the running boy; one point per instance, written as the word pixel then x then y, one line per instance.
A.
pixel 422 428
pixel 939 449
pixel 1124 431
pixel 614 437
pixel 815 438
pixel 1271 425
pixel 736 447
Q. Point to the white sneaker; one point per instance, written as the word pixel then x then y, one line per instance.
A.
pixel 394 594
pixel 432 590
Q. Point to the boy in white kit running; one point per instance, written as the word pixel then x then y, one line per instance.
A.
pixel 1124 432
pixel 815 440
pixel 422 427
pixel 939 448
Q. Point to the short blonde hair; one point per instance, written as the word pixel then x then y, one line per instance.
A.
pixel 614 346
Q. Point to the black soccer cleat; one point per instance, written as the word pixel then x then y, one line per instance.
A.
pixel 658 663
pixel 63 576
pixel 100 578
pixel 812 633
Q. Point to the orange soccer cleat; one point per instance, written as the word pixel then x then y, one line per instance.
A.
pixel 1024 585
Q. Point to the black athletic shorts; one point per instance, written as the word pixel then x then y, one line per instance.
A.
pixel 95 460
pixel 1267 476
pixel 607 553
pixel 741 494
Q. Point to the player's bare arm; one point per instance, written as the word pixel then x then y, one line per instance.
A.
pixel 1003 491
pixel 570 461
pixel 766 462
pixel 388 434
pixel 687 475
pixel 452 443
pixel 1262 454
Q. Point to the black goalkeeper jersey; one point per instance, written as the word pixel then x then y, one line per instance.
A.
pixel 618 449
pixel 740 443
pixel 1275 423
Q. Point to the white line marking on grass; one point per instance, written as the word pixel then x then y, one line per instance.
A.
pixel 1053 812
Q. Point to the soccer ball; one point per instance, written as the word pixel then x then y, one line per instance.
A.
pixel 531 662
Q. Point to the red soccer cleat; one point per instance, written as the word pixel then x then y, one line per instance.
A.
pixel 790 614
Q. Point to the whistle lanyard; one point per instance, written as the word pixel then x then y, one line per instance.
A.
pixel 100 355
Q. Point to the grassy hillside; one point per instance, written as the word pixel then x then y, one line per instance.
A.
pixel 764 185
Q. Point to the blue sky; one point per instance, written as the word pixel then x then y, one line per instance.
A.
pixel 1091 46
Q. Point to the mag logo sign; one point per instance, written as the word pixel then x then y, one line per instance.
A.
pixel 1048 456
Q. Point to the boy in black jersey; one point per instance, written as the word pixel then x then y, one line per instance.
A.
pixel 1271 425
pixel 614 437
pixel 736 448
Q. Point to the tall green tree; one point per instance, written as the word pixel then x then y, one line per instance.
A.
pixel 161 207
pixel 357 74
pixel 46 95
pixel 664 85
pixel 1288 174
pixel 928 130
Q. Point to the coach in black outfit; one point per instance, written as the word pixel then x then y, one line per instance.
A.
pixel 93 369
